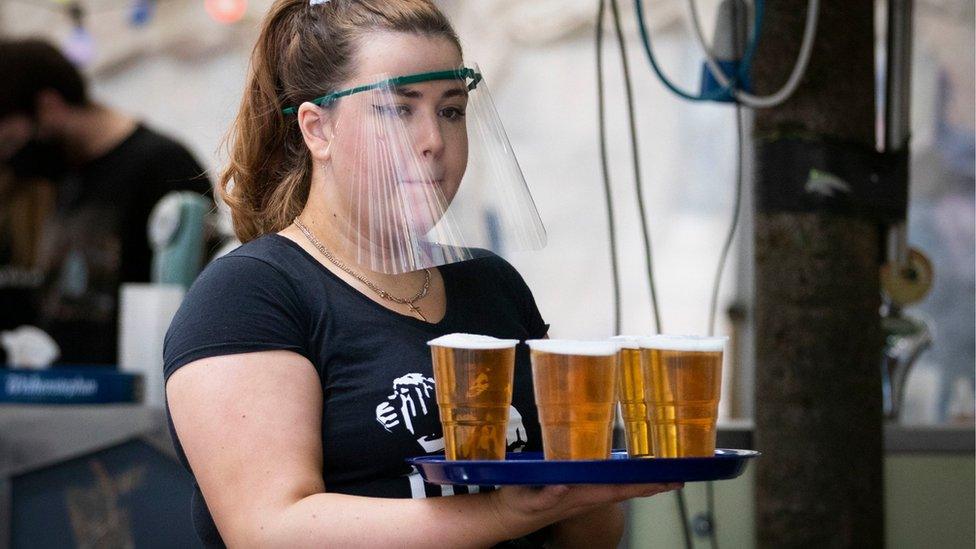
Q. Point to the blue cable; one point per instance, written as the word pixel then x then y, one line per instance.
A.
pixel 744 68
pixel 757 22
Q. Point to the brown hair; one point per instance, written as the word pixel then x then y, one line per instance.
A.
pixel 304 51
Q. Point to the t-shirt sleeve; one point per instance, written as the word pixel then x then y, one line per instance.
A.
pixel 239 304
pixel 531 317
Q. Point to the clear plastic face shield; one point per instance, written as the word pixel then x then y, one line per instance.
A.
pixel 421 173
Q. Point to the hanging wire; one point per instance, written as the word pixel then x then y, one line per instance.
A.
pixel 646 40
pixel 635 154
pixel 605 170
pixel 728 86
pixel 796 75
pixel 648 257
pixel 723 256
pixel 737 201
pixel 733 225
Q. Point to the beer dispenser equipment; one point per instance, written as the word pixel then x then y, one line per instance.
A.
pixel 906 276
pixel 716 86
pixel 176 232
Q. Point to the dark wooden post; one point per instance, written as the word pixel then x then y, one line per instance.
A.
pixel 818 340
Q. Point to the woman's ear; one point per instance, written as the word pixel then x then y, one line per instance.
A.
pixel 317 130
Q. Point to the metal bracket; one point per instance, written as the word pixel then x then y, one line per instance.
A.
pixel 800 175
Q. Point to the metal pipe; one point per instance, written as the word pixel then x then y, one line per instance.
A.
pixel 896 249
pixel 898 103
pixel 898 71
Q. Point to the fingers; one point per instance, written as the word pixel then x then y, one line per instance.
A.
pixel 548 497
pixel 423 395
pixel 647 490
pixel 590 494
pixel 571 499
pixel 532 499
pixel 654 489
pixel 387 416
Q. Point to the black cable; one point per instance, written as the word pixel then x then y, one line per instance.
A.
pixel 723 258
pixel 683 513
pixel 733 226
pixel 604 167
pixel 648 258
pixel 730 237
pixel 710 509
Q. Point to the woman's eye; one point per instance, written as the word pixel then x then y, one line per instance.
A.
pixel 452 113
pixel 393 110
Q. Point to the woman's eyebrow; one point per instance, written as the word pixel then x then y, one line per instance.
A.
pixel 408 92
pixel 454 92
pixel 415 94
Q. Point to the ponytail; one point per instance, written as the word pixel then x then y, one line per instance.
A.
pixel 267 177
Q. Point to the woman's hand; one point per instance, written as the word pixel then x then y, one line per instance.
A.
pixel 524 509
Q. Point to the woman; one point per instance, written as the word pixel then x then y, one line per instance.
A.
pixel 281 362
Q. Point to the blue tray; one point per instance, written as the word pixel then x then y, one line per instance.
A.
pixel 531 469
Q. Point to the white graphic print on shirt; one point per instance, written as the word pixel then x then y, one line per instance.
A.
pixel 410 407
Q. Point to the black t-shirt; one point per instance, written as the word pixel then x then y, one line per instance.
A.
pixel 96 240
pixel 374 364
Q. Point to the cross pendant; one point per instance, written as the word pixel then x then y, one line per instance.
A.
pixel 416 310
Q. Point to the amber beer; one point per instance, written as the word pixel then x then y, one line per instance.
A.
pixel 473 382
pixel 633 377
pixel 575 393
pixel 683 395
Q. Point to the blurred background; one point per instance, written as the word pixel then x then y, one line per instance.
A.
pixel 101 475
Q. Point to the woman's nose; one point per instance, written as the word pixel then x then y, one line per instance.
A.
pixel 430 139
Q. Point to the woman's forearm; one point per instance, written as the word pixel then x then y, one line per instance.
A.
pixel 338 520
pixel 600 527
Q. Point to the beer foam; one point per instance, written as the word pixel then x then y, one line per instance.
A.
pixel 704 344
pixel 574 347
pixel 627 341
pixel 472 341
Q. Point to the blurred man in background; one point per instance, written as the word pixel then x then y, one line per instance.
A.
pixel 78 181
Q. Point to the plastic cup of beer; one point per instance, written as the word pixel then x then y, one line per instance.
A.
pixel 683 393
pixel 633 377
pixel 575 393
pixel 473 383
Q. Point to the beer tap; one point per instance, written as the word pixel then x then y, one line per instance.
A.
pixel 906 336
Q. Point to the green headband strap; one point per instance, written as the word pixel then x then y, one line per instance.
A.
pixel 463 73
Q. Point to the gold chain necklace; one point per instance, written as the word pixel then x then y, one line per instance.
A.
pixel 382 293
